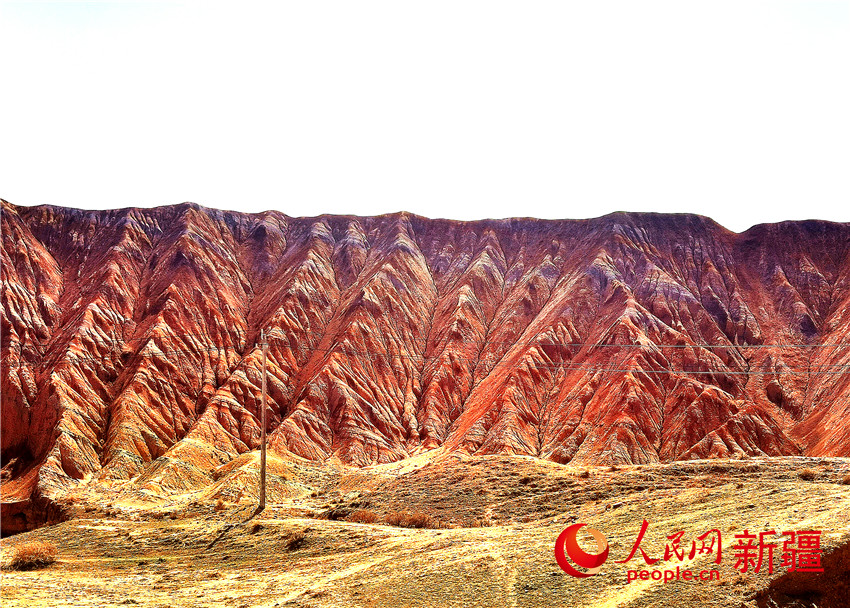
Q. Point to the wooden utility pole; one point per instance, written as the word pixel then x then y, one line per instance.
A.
pixel 264 343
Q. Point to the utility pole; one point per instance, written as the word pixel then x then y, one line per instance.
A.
pixel 264 343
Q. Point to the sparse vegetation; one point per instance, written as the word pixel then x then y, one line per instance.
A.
pixel 584 474
pixel 460 526
pixel 219 505
pixel 483 521
pixel 808 474
pixel 32 555
pixel 407 519
pixel 364 516
pixel 294 540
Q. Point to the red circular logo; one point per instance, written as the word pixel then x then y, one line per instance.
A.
pixel 567 545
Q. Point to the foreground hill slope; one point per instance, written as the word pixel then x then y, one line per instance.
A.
pixel 129 337
pixel 447 530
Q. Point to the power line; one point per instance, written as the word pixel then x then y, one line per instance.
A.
pixel 564 344
pixel 374 355
pixel 528 343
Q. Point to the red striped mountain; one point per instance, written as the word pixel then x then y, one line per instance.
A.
pixel 128 338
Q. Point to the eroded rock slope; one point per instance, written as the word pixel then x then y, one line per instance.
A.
pixel 129 336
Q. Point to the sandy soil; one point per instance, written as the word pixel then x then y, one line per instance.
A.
pixel 501 516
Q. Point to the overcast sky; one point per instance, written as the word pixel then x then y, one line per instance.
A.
pixel 735 110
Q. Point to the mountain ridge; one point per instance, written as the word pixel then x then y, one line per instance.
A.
pixel 128 339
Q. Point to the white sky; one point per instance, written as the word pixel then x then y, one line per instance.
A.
pixel 736 110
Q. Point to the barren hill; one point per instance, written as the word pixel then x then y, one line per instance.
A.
pixel 128 340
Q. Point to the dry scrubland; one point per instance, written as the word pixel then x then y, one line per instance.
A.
pixel 336 536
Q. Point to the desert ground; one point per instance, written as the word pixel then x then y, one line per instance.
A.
pixel 491 524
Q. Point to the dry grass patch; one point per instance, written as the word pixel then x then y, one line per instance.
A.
pixel 364 516
pixel 294 540
pixel 408 519
pixel 484 521
pixel 808 474
pixel 32 555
